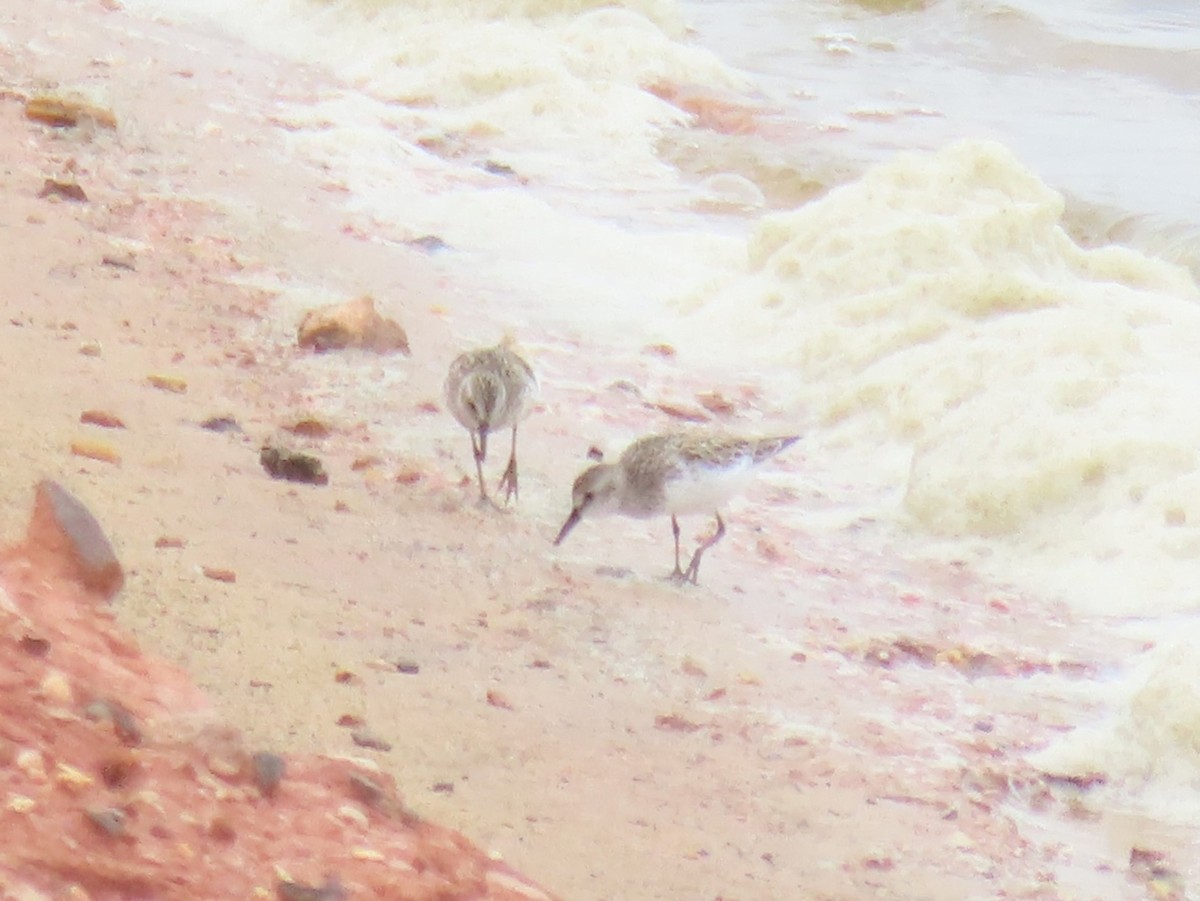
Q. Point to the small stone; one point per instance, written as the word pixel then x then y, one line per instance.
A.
pixel 119 769
pixel 659 350
pixel 366 739
pixel 222 830
pixel 370 461
pixel 170 383
pixel 118 261
pixel 125 726
pixel 268 771
pixel 292 466
pixel 96 450
pixel 67 112
pixel 218 575
pixel 66 537
pixel 309 427
pixel 227 766
pixel 495 168
pixel 689 667
pixel 71 778
pixel 331 890
pixel 350 813
pixel 91 349
pixel 55 687
pixel 32 764
pixel 346 677
pixel 221 424
pixel 350 720
pixel 716 402
pixel 169 541
pixel 366 789
pixel 408 476
pixel 101 418
pixel 20 804
pixel 680 411
pixel 67 190
pixel 108 820
pixel 428 243
pixel 34 646
pixel 407 666
pixel 443 788
pixel 355 323
pixel 497 699
pixel 673 722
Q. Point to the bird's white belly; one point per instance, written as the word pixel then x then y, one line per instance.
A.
pixel 702 490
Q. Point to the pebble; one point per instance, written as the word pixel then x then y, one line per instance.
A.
pixel 331 890
pixel 292 466
pixel 108 820
pixel 221 424
pixel 71 777
pixel 353 815
pixel 20 804
pixel 32 764
pixel 268 772
pixel 96 450
pixel 366 739
pixel 55 687
pixel 101 418
pixel 170 383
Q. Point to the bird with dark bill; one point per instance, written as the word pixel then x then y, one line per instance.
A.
pixel 673 473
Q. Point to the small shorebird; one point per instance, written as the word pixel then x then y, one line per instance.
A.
pixel 487 390
pixel 676 472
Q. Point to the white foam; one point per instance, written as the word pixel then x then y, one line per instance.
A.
pixel 558 75
pixel 1148 747
pixel 1009 384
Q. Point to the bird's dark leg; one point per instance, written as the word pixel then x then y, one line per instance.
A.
pixel 508 481
pixel 677 575
pixel 479 449
pixel 693 569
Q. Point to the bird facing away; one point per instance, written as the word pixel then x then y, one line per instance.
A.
pixel 486 390
pixel 675 472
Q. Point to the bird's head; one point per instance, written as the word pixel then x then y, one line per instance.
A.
pixel 594 491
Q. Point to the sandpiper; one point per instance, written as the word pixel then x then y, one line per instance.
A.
pixel 486 390
pixel 675 472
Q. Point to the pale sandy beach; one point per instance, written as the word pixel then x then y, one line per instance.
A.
pixel 610 734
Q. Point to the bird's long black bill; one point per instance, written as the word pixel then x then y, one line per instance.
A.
pixel 567 526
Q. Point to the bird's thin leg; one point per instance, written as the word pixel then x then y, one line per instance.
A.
pixel 508 481
pixel 677 575
pixel 479 449
pixel 693 569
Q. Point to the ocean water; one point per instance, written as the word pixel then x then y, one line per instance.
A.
pixel 956 238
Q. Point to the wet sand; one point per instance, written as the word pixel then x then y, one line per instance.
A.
pixel 823 717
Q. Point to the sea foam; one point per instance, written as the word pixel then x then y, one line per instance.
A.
pixel 1039 393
